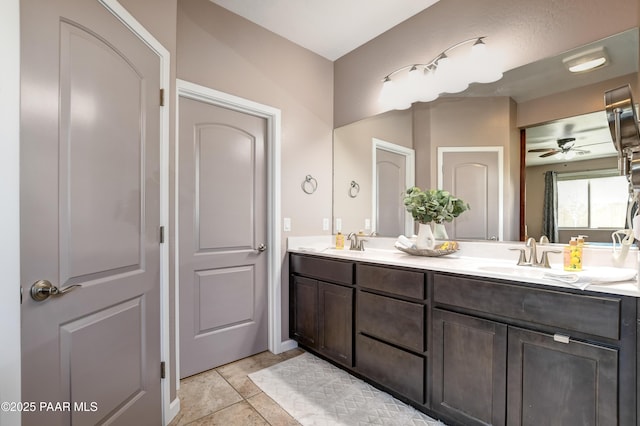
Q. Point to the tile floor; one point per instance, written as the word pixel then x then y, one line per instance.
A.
pixel 226 396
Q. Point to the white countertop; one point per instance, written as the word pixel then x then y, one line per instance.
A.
pixel 482 259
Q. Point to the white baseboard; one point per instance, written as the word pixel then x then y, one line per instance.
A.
pixel 287 345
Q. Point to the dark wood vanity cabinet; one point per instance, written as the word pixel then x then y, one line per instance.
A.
pixel 507 354
pixel 321 312
pixel 470 350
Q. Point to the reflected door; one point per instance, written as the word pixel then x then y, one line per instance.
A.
pixel 222 232
pixel 474 176
pixel 393 172
pixel 90 164
pixel 390 185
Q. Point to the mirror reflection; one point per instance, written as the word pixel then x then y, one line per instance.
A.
pixel 543 99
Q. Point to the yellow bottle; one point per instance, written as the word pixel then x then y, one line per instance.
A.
pixel 339 241
pixel 573 256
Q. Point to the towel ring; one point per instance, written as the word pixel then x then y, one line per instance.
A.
pixel 354 190
pixel 309 184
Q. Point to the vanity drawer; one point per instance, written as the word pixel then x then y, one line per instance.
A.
pixel 594 315
pixel 393 281
pixel 322 269
pixel 394 321
pixel 394 368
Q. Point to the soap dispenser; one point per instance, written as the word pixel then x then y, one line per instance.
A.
pixel 573 256
pixel 339 241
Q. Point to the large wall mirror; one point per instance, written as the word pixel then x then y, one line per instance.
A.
pixel 530 111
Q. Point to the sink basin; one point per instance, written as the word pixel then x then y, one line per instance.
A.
pixel 513 271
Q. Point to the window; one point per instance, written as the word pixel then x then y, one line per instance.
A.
pixel 592 202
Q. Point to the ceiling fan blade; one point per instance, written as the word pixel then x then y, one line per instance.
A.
pixel 542 150
pixel 594 144
pixel 581 151
pixel 550 153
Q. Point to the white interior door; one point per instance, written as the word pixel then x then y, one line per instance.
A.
pixel 393 172
pixel 390 184
pixel 90 203
pixel 222 235
pixel 474 174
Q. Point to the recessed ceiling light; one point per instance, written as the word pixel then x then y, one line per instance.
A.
pixel 587 60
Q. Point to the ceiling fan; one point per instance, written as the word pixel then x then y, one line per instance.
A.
pixel 565 145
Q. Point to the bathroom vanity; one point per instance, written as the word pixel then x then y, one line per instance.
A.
pixel 466 346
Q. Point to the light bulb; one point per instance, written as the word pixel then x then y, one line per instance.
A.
pixel 450 75
pixel 392 95
pixel 427 89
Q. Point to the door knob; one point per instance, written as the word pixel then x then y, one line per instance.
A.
pixel 42 289
pixel 261 248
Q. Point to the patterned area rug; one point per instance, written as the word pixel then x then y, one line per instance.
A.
pixel 316 393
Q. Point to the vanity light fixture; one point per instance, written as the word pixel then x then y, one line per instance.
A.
pixel 587 61
pixel 449 72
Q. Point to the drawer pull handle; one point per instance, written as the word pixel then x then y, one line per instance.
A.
pixel 561 338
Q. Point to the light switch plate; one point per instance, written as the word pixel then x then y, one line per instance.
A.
pixel 338 224
pixel 367 224
pixel 286 224
pixel 325 224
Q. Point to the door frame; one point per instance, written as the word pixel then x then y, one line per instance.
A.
pixel 497 149
pixel 169 408
pixel 273 116
pixel 409 155
pixel 10 361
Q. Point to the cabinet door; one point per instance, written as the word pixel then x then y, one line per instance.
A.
pixel 335 322
pixel 305 311
pixel 564 384
pixel 469 368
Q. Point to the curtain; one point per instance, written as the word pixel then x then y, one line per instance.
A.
pixel 550 207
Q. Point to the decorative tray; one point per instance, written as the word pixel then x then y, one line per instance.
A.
pixel 435 252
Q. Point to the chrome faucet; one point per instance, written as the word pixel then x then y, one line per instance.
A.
pixel 356 244
pixel 533 255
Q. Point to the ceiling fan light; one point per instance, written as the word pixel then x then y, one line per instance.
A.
pixel 586 61
pixel 588 65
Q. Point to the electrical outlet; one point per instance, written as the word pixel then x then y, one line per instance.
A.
pixel 367 224
pixel 338 224
pixel 286 224
pixel 325 224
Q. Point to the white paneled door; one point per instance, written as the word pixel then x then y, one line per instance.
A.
pixel 90 203
pixel 222 219
pixel 390 186
pixel 475 176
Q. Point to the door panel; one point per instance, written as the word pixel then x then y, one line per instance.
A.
pixel 224 155
pixel 473 177
pixel 469 368
pixel 90 164
pixel 391 178
pixel 560 384
pixel 106 237
pixel 237 307
pixel 222 221
pixel 113 337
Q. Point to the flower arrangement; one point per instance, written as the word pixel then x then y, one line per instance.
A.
pixel 433 205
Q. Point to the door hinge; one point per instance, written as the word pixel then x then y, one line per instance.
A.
pixel 161 97
pixel 161 234
pixel 162 370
